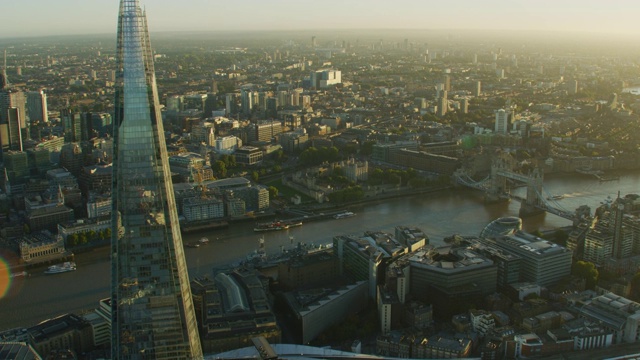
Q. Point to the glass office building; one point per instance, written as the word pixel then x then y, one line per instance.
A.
pixel 152 308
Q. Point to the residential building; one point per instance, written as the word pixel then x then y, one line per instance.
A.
pixel 202 208
pixel 502 122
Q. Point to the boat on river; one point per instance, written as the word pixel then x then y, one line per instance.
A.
pixel 272 226
pixel 555 197
pixel 343 215
pixel 61 268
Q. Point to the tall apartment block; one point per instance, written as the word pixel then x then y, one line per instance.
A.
pixel 152 308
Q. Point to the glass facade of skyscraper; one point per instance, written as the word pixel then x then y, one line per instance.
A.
pixel 152 308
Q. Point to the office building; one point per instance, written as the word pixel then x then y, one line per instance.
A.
pixel 152 308
pixel 617 314
pixel 265 131
pixel 61 334
pixel 96 178
pixel 72 125
pixel 543 262
pixel 10 131
pixel 248 155
pixel 449 267
pixel 10 98
pixel 37 106
pixel 316 310
pixel 16 165
pixel 294 140
pixel 364 258
pixel 304 270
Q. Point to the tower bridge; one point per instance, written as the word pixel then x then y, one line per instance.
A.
pixel 497 185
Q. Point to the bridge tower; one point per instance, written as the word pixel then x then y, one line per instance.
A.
pixel 498 184
pixel 533 204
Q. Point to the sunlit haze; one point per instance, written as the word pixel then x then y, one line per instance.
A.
pixel 66 17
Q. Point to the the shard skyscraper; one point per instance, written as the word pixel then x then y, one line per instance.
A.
pixel 152 308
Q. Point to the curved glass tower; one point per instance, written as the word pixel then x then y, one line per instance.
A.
pixel 152 308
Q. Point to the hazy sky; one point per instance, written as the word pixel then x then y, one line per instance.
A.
pixel 61 17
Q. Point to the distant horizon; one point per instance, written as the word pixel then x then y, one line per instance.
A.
pixel 77 17
pixel 310 32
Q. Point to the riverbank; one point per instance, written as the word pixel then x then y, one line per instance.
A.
pixel 385 194
pixel 439 213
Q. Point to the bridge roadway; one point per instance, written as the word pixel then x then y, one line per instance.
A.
pixel 542 205
pixel 550 209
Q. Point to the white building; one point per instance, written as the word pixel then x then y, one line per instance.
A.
pixel 227 144
pixel 325 78
pixel 355 170
pixel 482 321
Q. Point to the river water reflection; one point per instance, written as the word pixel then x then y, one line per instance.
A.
pixel 461 211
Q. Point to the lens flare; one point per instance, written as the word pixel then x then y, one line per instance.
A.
pixel 5 277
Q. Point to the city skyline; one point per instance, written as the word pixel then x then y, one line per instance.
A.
pixel 567 16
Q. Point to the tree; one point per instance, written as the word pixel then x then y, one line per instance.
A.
pixel 82 239
pixel 255 176
pixel 586 270
pixel 225 159
pixel 273 192
pixel 219 169
pixel 72 240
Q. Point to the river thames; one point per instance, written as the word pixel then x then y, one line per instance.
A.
pixel 39 297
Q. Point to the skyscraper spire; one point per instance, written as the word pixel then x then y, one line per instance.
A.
pixel 152 309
